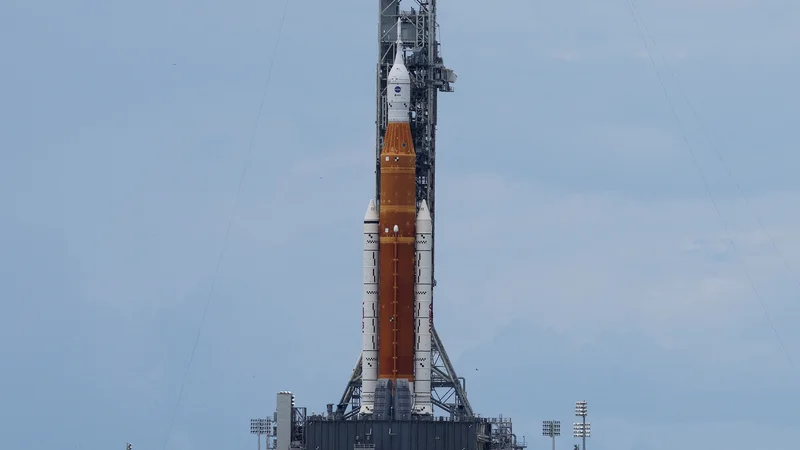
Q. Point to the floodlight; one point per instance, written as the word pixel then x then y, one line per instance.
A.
pixel 580 408
pixel 259 427
pixel 551 429
pixel 581 429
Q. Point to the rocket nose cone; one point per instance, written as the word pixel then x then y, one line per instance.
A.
pixel 372 212
pixel 398 73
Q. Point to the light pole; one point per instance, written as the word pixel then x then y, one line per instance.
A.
pixel 259 427
pixel 551 429
pixel 583 429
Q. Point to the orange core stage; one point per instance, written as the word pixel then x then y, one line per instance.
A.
pixel 397 237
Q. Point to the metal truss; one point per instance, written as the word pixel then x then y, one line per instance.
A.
pixel 352 393
pixel 503 437
pixel 448 390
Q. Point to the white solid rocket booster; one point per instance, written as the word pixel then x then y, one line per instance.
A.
pixel 369 321
pixel 423 294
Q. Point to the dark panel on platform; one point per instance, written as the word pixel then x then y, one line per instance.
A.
pixel 396 435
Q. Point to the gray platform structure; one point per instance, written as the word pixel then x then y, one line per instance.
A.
pixel 455 426
pixel 296 430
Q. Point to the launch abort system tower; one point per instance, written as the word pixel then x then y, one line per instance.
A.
pixel 404 393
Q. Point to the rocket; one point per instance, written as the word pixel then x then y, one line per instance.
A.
pixel 396 319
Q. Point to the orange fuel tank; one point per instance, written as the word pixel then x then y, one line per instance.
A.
pixel 397 238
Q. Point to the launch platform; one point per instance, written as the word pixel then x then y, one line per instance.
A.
pixel 292 428
pixel 441 434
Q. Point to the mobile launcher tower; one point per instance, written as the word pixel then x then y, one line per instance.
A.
pixel 403 377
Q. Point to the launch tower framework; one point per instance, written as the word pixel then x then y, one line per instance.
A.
pixel 429 76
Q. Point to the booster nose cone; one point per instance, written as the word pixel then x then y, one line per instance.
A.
pixel 398 87
pixel 372 212
pixel 424 213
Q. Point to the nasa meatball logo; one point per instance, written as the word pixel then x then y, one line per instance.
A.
pixel 397 89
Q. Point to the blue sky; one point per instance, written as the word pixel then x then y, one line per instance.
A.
pixel 578 253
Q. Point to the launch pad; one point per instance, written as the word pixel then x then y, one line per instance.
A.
pixel 294 429
pixel 404 393
pixel 400 435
